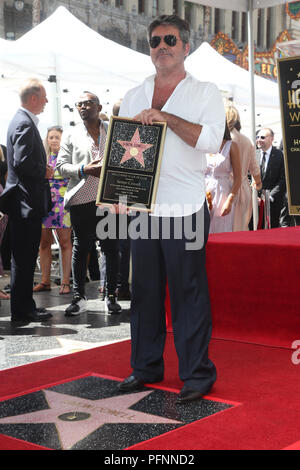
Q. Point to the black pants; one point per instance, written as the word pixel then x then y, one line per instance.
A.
pixel 124 257
pixel 155 261
pixel 84 222
pixel 25 241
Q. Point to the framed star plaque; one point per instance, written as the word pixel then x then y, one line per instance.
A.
pixel 131 163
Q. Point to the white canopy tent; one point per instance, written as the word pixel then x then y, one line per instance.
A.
pixel 247 6
pixel 72 54
pixel 208 65
pixel 76 58
pixel 80 58
pixel 233 81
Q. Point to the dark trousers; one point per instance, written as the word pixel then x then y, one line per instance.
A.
pixel 155 261
pixel 124 256
pixel 25 241
pixel 84 222
pixel 124 253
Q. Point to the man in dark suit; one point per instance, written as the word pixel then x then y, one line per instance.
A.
pixel 272 173
pixel 26 199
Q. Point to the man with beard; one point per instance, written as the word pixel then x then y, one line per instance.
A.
pixel 195 118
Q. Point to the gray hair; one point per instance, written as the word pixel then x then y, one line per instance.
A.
pixel 172 20
pixel 31 87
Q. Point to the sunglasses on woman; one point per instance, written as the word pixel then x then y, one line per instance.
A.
pixel 169 39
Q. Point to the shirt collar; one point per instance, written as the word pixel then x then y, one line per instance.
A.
pixel 267 152
pixel 31 115
pixel 85 129
pixel 150 81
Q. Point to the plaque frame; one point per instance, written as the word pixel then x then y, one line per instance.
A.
pixel 136 178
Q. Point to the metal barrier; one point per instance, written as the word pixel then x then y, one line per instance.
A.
pixel 267 209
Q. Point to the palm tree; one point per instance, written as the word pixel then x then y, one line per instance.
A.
pixel 36 12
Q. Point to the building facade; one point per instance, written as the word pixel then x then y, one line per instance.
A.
pixel 125 21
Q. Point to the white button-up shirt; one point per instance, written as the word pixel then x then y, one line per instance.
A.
pixel 181 187
pixel 33 116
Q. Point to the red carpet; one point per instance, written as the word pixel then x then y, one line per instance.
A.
pixel 262 379
pixel 254 289
pixel 254 286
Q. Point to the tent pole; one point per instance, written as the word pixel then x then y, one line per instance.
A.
pixel 252 106
pixel 58 102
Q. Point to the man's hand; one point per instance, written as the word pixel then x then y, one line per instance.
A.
pixel 93 168
pixel 188 131
pixel 149 116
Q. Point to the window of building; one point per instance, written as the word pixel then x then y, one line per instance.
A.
pixel 259 28
pixel 217 20
pixel 188 11
pixel 235 25
pixel 141 6
pixel 119 3
pixel 175 7
pixel 268 28
pixel 154 7
pixel 244 27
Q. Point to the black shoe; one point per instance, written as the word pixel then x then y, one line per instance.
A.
pixel 35 316
pixel 124 294
pixel 131 384
pixel 77 306
pixel 112 305
pixel 41 310
pixel 187 394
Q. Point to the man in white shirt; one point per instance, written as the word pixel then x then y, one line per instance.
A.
pixel 272 173
pixel 195 119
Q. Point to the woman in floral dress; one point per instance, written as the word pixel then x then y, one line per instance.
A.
pixel 58 219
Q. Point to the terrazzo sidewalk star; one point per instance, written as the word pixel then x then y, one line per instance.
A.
pixel 75 418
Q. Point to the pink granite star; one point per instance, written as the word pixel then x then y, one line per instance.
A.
pixel 64 410
pixel 134 148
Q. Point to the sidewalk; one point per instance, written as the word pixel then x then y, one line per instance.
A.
pixel 60 335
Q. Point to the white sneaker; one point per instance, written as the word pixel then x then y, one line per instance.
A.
pixel 78 305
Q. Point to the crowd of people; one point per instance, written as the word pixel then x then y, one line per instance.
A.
pixel 206 160
pixel 73 218
pixel 234 170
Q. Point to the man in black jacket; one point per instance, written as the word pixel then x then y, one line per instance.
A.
pixel 26 199
pixel 272 173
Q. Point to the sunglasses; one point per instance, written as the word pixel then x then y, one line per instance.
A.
pixel 79 104
pixel 169 39
pixel 262 137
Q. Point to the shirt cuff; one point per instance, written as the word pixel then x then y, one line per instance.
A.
pixel 209 140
